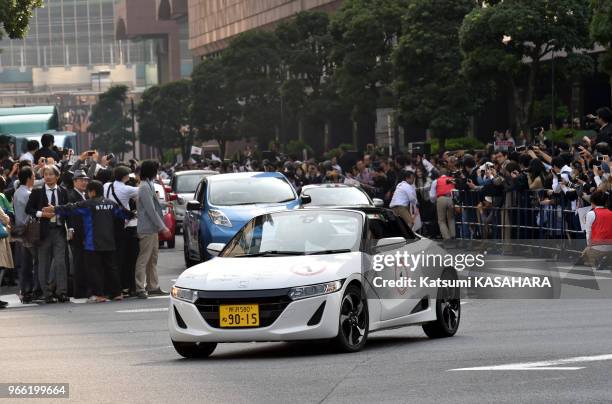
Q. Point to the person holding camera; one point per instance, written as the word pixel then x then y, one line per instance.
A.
pixel 404 202
pixel 603 119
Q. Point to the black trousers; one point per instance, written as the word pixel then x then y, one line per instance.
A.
pixel 79 272
pixel 103 275
pixel 127 254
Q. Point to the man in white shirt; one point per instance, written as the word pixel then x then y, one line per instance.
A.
pixel 404 202
pixel 127 252
pixel 32 146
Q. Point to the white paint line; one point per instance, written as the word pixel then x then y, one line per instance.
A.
pixel 78 301
pixel 159 297
pixel 143 310
pixel 544 365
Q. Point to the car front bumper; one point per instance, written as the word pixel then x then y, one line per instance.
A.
pixel 290 325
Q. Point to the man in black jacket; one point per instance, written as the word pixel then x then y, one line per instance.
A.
pixel 52 247
pixel 77 235
pixel 100 217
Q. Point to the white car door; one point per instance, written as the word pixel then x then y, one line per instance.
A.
pixel 397 300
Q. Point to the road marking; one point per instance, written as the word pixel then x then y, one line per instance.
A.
pixel 159 297
pixel 544 365
pixel 143 310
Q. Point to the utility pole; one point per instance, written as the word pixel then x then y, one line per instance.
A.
pixel 133 129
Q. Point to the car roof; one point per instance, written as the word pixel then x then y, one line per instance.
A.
pixel 194 172
pixel 229 176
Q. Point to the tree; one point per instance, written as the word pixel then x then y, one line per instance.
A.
pixel 306 45
pixel 365 33
pixel 505 44
pixel 109 122
pixel 216 113
pixel 251 63
pixel 164 116
pixel 427 65
pixel 15 16
pixel 601 31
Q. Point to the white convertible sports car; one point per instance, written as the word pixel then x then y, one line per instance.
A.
pixel 310 275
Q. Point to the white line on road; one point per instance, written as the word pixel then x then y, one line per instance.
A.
pixel 143 310
pixel 544 365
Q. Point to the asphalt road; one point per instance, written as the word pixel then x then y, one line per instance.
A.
pixel 120 352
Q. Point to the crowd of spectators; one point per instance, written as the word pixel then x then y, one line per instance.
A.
pixel 82 226
pixel 527 189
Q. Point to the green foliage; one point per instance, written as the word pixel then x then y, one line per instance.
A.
pixel 109 121
pixel 498 39
pixel 294 148
pixel 306 45
pixel 427 64
pixel 365 33
pixel 252 67
pixel 458 143
pixel 601 30
pixel 164 114
pixel 216 111
pixel 15 16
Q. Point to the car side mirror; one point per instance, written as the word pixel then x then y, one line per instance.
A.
pixel 305 199
pixel 388 241
pixel 215 248
pixel 379 203
pixel 193 206
pixel 172 197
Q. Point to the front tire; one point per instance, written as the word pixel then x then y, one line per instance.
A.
pixel 353 322
pixel 194 350
pixel 172 243
pixel 448 311
pixel 188 261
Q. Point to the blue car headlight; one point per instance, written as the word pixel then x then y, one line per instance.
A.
pixel 219 218
pixel 302 292
pixel 186 295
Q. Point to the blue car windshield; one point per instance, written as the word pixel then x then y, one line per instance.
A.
pixel 248 191
pixel 303 232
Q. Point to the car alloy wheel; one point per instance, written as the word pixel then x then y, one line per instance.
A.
pixel 448 310
pixel 354 321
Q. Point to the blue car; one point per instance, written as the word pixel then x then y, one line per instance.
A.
pixel 225 202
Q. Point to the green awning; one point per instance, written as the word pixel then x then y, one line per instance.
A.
pixel 13 124
pixel 28 119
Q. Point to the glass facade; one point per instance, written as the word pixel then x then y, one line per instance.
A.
pixel 69 33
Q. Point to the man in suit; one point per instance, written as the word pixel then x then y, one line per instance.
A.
pixel 77 236
pixel 52 246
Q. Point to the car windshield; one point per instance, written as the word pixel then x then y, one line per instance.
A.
pixel 337 196
pixel 251 190
pixel 187 183
pixel 298 233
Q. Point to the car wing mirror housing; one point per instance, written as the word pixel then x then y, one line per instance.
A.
pixel 193 205
pixel 305 199
pixel 379 203
pixel 215 249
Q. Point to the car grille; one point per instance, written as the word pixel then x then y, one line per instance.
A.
pixel 271 304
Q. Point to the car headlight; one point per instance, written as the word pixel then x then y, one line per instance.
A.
pixel 302 292
pixel 187 295
pixel 219 218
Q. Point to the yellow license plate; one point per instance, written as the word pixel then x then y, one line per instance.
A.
pixel 239 315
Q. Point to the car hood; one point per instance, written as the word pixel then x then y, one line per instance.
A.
pixel 244 213
pixel 259 273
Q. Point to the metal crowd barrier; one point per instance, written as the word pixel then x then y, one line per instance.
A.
pixel 518 219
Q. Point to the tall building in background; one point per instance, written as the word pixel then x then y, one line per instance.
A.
pixel 212 23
